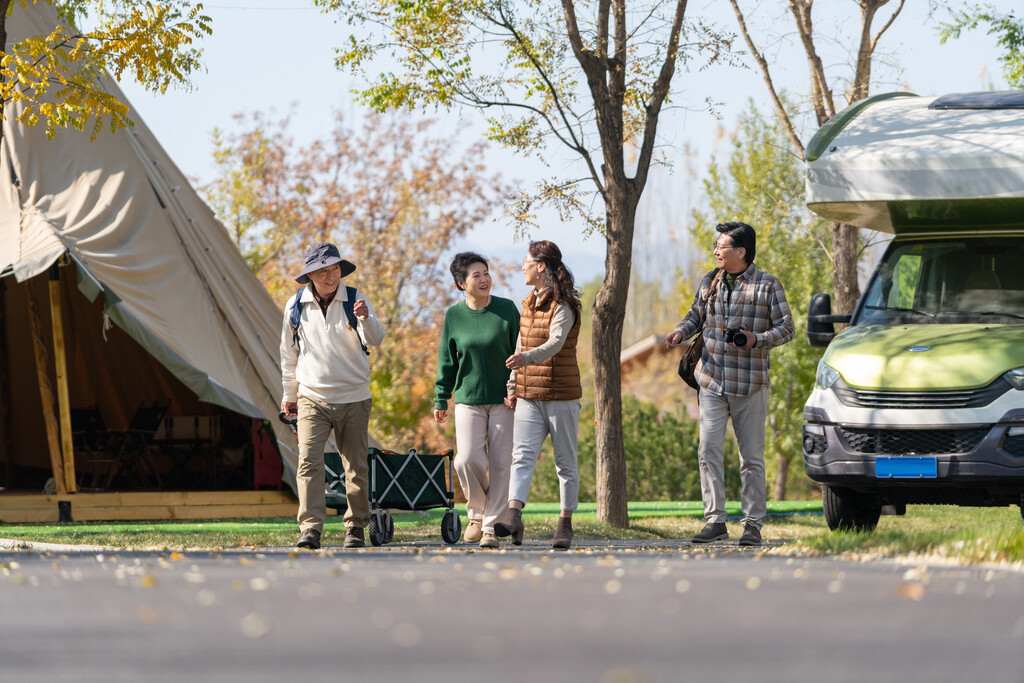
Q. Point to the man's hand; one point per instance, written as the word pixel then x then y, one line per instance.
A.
pixel 360 309
pixel 440 416
pixel 673 339
pixel 290 408
pixel 751 340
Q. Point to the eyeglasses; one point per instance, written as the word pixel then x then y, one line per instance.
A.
pixel 721 247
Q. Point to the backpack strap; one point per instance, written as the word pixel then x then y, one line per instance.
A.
pixel 716 277
pixel 353 323
pixel 295 319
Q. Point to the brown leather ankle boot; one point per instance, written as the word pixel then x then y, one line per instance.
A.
pixel 563 534
pixel 513 527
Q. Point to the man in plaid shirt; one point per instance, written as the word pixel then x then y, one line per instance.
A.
pixel 743 316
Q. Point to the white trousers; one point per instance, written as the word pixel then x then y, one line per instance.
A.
pixel 748 415
pixel 535 420
pixel 483 444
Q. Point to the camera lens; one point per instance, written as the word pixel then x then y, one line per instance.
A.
pixel 739 339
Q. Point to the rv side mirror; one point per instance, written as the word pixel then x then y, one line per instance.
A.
pixel 820 321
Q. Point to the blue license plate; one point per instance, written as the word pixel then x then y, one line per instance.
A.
pixel 906 467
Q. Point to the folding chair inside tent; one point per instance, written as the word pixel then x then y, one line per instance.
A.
pixel 133 447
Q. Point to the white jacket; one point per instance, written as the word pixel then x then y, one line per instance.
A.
pixel 328 363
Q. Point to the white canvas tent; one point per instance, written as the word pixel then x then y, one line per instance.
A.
pixel 158 303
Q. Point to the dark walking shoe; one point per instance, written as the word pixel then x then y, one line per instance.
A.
pixel 563 534
pixel 310 538
pixel 751 535
pixel 354 537
pixel 513 527
pixel 715 531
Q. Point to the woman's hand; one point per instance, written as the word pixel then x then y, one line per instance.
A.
pixel 440 416
pixel 510 402
pixel 515 361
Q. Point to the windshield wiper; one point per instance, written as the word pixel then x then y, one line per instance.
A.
pixel 900 309
pixel 968 313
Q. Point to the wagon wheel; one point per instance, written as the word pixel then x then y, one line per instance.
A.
pixel 378 534
pixel 451 527
pixel 390 521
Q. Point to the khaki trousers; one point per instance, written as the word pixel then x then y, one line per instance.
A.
pixel 748 415
pixel 483 443
pixel 349 422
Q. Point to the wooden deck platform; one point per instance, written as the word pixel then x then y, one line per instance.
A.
pixel 19 508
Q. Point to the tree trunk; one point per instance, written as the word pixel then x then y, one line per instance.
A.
pixel 844 278
pixel 608 314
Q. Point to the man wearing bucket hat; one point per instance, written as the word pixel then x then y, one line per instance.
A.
pixel 326 378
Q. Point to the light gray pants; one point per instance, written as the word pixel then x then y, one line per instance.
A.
pixel 534 421
pixel 748 418
pixel 483 443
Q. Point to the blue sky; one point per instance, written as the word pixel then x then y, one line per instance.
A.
pixel 272 54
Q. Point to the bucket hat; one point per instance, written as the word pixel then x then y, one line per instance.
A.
pixel 320 256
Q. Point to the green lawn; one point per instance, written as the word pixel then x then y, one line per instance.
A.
pixel 970 535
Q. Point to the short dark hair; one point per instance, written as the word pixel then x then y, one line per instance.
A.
pixel 741 235
pixel 462 262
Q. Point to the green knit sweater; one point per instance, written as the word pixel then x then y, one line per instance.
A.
pixel 474 347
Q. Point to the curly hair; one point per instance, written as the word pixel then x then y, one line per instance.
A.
pixel 557 275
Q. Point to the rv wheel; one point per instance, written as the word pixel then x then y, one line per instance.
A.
pixel 849 510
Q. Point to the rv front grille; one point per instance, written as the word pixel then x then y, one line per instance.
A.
pixel 907 441
pixel 920 400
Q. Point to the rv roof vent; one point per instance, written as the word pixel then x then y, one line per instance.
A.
pixel 991 99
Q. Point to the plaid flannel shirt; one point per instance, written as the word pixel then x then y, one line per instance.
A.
pixel 758 304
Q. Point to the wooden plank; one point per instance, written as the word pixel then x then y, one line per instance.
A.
pixel 149 498
pixel 148 513
pixel 45 395
pixel 61 363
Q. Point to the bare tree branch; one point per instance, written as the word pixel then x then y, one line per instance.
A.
pixel 762 63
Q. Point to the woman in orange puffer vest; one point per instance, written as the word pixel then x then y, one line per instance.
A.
pixel 544 389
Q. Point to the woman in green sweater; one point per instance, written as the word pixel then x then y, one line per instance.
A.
pixel 478 335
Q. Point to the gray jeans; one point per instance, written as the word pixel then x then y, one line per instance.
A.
pixel 748 415
pixel 534 421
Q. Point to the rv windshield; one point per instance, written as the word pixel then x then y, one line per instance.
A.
pixel 961 280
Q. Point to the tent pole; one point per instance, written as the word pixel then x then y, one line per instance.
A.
pixel 61 360
pixel 45 394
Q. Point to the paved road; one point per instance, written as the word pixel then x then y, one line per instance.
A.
pixel 606 612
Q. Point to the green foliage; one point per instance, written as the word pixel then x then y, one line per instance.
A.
pixel 1008 28
pixel 762 184
pixel 53 77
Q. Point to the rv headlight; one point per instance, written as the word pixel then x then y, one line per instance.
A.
pixel 826 376
pixel 1015 377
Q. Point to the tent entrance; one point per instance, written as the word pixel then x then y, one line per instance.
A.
pixel 135 426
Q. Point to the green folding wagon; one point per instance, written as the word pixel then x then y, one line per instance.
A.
pixel 411 481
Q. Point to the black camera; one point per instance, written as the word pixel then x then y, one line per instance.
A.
pixel 734 335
